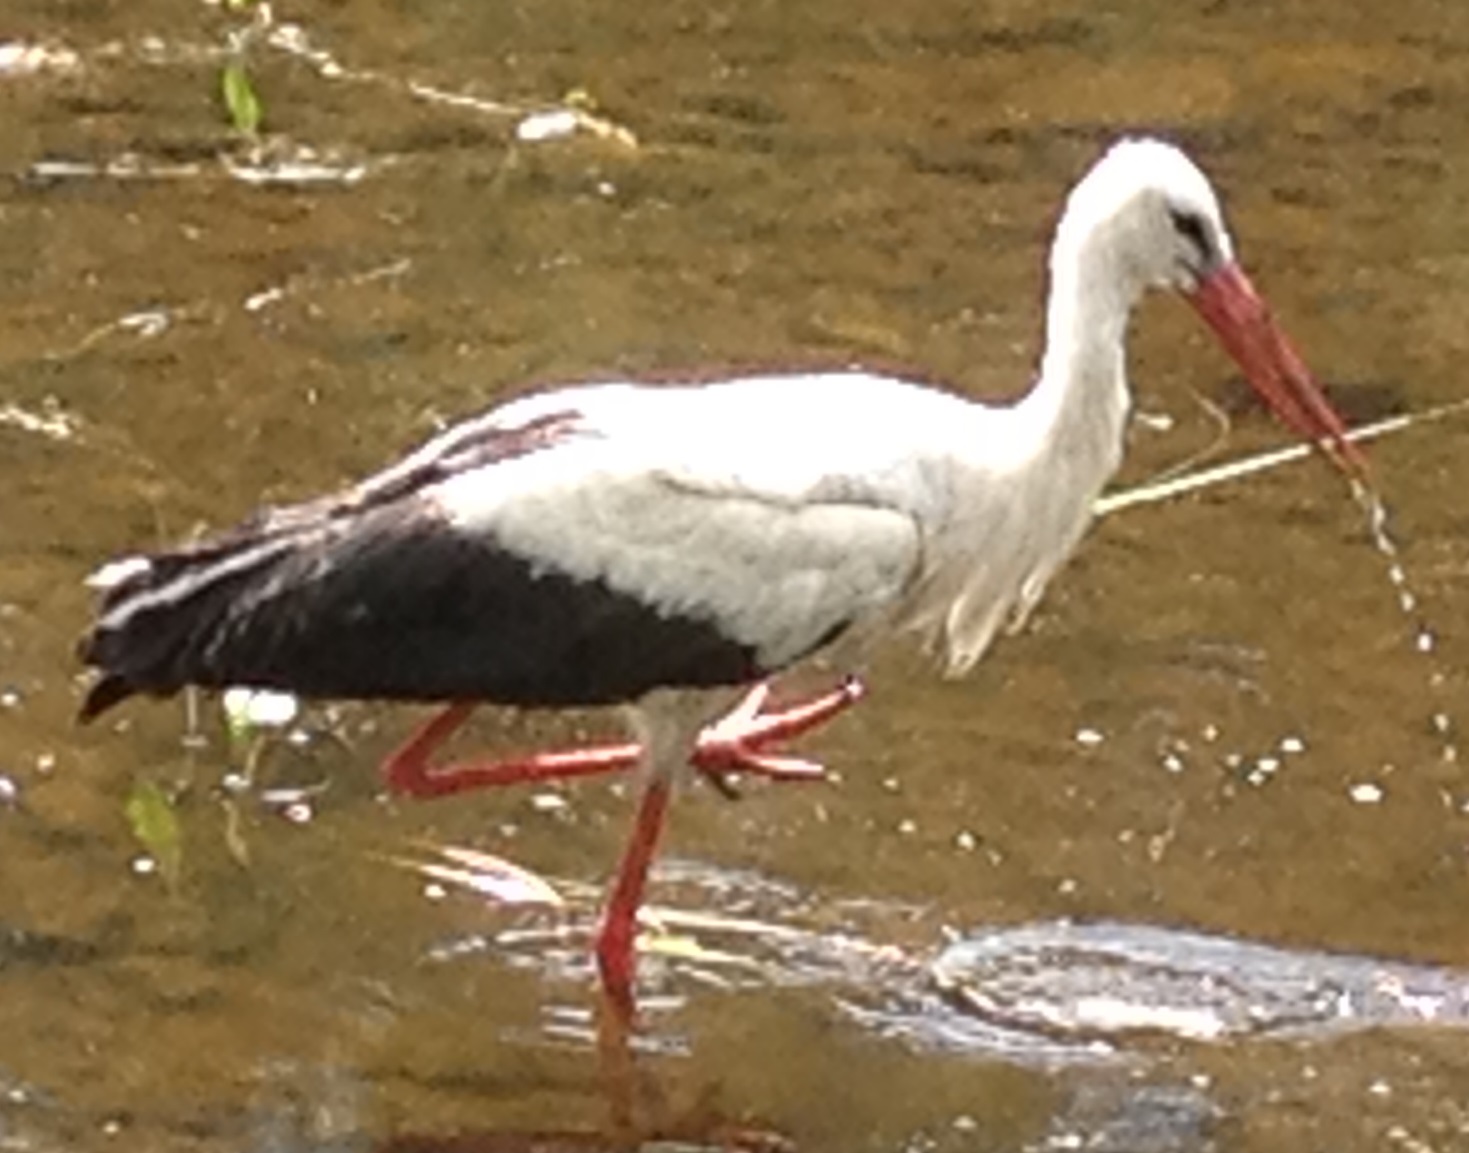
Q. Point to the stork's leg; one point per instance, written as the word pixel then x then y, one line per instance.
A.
pixel 735 743
pixel 617 938
pixel 407 768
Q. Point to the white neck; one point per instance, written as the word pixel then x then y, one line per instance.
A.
pixel 1060 445
pixel 1078 406
pixel 1065 438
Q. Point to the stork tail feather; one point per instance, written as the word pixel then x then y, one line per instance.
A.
pixel 163 617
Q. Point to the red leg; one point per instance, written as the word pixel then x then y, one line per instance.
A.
pixel 617 938
pixel 408 770
pixel 731 744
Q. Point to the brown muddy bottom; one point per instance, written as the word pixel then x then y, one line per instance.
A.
pixel 1182 867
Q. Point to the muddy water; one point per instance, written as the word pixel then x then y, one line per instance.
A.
pixel 815 184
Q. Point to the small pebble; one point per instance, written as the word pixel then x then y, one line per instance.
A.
pixel 298 813
pixel 9 791
pixel 259 708
pixel 144 865
pixel 1292 745
pixel 1263 770
pixel 907 827
pixel 966 841
pixel 1366 794
pixel 549 803
pixel 234 783
pixel 1173 762
pixel 1089 737
pixel 549 125
pixel 20 59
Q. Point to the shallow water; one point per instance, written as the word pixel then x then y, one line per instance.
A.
pixel 1216 721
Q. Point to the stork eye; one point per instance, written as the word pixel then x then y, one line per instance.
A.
pixel 1192 228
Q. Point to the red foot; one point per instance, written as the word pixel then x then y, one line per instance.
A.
pixel 734 743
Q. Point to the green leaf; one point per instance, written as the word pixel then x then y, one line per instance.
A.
pixel 239 98
pixel 154 823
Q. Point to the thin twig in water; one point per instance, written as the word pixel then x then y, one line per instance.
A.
pixel 1233 470
pixel 1220 419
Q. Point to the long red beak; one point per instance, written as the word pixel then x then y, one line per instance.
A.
pixel 1230 306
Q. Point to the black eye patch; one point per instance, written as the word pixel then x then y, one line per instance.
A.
pixel 1192 228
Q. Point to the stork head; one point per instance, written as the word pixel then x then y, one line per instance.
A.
pixel 1146 217
pixel 1150 215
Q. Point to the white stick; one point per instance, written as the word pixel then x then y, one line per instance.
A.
pixel 1234 469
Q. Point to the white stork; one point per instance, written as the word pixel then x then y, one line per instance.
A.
pixel 660 548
